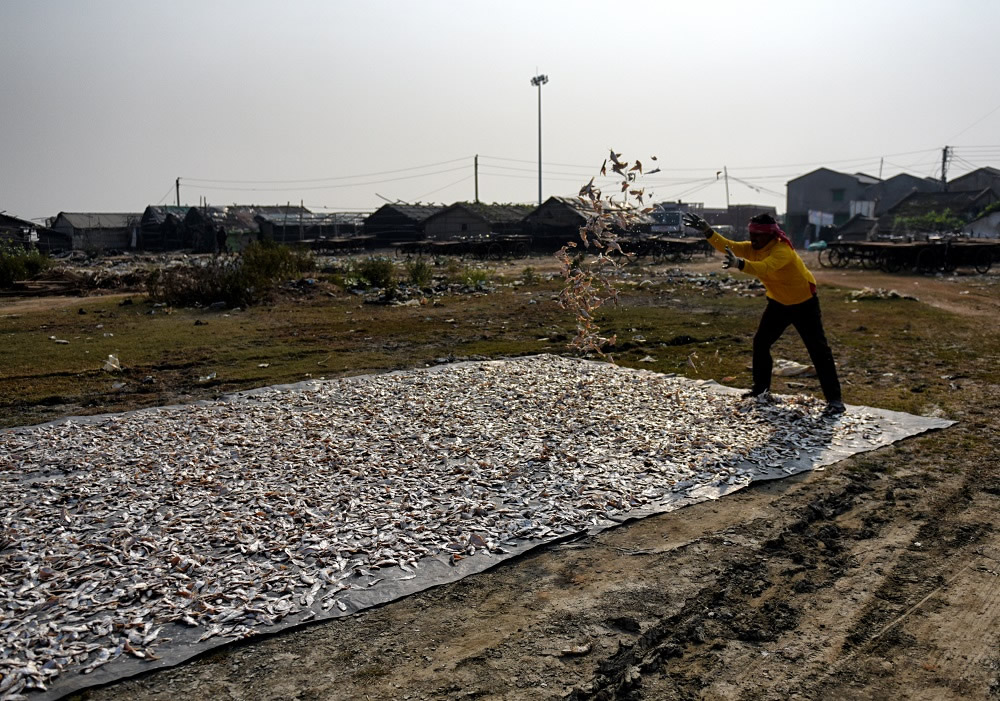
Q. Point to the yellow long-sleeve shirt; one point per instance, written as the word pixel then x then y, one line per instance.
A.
pixel 786 278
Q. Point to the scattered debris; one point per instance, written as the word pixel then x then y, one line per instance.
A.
pixel 790 368
pixel 576 650
pixel 878 293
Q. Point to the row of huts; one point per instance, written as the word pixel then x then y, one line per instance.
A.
pixel 161 228
pixel 826 204
pixel 821 204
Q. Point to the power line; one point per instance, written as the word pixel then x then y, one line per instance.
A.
pixel 974 123
pixel 697 188
pixel 443 187
pixel 336 177
pixel 757 188
pixel 327 187
pixel 864 159
pixel 169 192
pixel 601 182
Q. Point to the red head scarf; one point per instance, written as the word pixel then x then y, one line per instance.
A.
pixel 772 229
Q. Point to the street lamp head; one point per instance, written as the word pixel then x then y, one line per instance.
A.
pixel 539 80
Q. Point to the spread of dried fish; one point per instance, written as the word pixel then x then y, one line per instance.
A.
pixel 230 516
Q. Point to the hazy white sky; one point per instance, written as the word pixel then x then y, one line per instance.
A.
pixel 103 103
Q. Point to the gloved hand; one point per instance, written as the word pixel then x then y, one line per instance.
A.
pixel 732 260
pixel 696 222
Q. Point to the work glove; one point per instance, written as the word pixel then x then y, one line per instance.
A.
pixel 696 222
pixel 731 260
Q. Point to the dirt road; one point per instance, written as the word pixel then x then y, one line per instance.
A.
pixel 960 293
pixel 876 578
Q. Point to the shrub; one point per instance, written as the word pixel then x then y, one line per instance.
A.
pixel 271 261
pixel 454 271
pixel 240 280
pixel 378 272
pixel 19 263
pixel 474 276
pixel 528 275
pixel 930 222
pixel 419 272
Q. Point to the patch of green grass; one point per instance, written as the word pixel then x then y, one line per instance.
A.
pixel 475 276
pixel 419 272
pixel 701 335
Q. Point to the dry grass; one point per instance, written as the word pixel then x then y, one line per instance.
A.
pixel 892 353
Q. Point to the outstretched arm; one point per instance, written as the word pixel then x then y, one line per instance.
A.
pixel 715 239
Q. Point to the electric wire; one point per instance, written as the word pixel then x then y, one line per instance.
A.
pixel 444 187
pixel 697 188
pixel 977 152
pixel 335 177
pixel 165 196
pixel 988 114
pixel 327 187
pixel 971 166
pixel 346 210
pixel 756 188
pixel 864 159
pixel 603 182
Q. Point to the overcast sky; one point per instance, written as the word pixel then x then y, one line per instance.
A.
pixel 103 103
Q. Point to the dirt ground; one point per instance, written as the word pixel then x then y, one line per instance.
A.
pixel 876 578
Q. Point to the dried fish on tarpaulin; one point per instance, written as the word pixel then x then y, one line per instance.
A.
pixel 234 517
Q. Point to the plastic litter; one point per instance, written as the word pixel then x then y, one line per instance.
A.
pixel 789 368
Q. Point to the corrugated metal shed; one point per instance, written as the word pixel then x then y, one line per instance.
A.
pixel 98 220
pixel 476 220
pixel 560 218
pixel 162 228
pixel 235 225
pixel 963 204
pixel 28 233
pixel 99 230
pixel 308 226
pixel 399 222
pixel 857 228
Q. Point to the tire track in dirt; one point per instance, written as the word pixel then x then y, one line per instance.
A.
pixel 813 568
pixel 945 552
pixel 752 600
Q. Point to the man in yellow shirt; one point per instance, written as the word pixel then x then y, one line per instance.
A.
pixel 791 301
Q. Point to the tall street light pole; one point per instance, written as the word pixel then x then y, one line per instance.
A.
pixel 539 81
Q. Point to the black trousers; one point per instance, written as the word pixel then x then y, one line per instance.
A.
pixel 806 319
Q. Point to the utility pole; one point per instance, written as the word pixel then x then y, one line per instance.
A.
pixel 880 162
pixel 944 168
pixel 177 185
pixel 729 216
pixel 475 165
pixel 539 81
